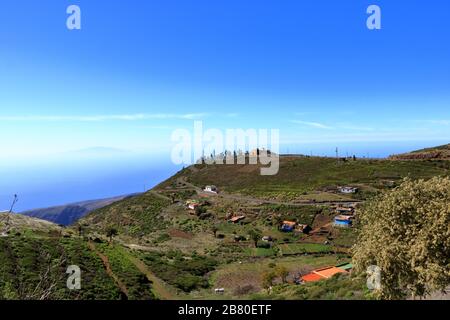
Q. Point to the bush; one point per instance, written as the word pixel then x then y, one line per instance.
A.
pixel 264 245
pixel 405 232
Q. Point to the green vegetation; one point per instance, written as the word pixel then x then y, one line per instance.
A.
pixel 185 273
pixel 186 253
pixel 137 285
pixel 300 248
pixel 339 287
pixel 300 175
pixel 304 214
pixel 136 216
pixel 35 268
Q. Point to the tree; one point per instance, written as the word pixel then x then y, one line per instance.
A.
pixel 406 233
pixel 282 272
pixel 111 232
pixel 255 235
pixel 267 279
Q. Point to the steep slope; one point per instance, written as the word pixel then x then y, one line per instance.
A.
pixel 70 213
pixel 133 216
pixel 35 255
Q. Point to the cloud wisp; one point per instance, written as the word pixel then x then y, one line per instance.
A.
pixel 99 118
pixel 317 125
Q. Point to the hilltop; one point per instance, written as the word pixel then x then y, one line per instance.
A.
pixel 303 178
pixel 19 223
pixel 435 153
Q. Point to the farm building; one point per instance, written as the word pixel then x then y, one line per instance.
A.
pixel 347 189
pixel 326 273
pixel 329 272
pixel 311 277
pixel 236 219
pixel 343 221
pixel 288 226
pixel 212 189
pixel 192 204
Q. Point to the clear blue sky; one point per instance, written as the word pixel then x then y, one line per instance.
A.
pixel 139 69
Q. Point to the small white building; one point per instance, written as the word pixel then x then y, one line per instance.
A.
pixel 212 189
pixel 347 189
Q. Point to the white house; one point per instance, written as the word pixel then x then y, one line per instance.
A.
pixel 212 189
pixel 347 189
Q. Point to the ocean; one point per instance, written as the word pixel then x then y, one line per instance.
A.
pixel 64 180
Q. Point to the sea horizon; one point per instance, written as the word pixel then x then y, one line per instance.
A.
pixel 105 173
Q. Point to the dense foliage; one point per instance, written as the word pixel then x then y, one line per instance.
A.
pixel 406 233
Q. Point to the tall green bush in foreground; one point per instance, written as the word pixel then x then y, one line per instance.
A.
pixel 406 233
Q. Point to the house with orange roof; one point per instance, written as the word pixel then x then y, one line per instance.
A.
pixel 326 273
pixel 288 226
pixel 236 219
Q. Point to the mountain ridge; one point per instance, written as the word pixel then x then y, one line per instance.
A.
pixel 69 213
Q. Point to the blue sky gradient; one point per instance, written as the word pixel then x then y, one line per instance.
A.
pixel 137 70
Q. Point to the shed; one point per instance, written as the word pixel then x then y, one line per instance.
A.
pixel 212 189
pixel 343 221
pixel 347 189
pixel 288 226
pixel 236 219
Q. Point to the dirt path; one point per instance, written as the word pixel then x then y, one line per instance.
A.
pixel 159 195
pixel 285 203
pixel 318 228
pixel 263 201
pixel 159 287
pixel 109 271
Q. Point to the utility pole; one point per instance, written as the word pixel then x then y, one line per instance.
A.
pixel 337 155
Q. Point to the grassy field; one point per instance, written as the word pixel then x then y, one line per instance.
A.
pixel 241 280
pixel 339 287
pixel 301 248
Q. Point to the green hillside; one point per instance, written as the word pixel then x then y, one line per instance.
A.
pixel 299 176
pixel 162 250
pixel 35 254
